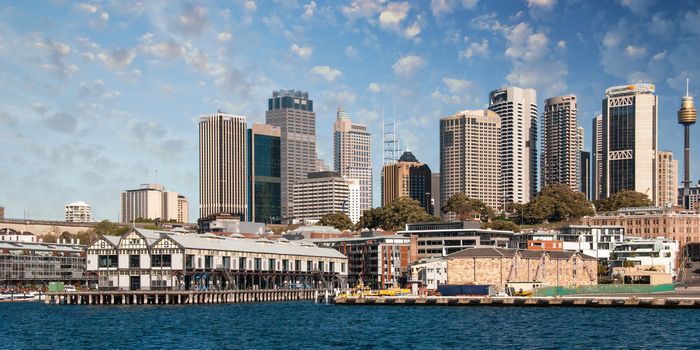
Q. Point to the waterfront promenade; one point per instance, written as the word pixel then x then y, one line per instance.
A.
pixel 179 297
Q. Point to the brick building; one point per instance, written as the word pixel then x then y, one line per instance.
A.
pixel 498 266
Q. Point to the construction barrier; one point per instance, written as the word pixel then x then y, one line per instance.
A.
pixel 603 289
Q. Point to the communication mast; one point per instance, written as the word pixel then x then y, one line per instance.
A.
pixel 390 141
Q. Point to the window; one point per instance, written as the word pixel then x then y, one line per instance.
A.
pixel 285 265
pixel 297 265
pixel 258 264
pixel 134 261
pixel 161 260
pixel 320 266
pixel 271 265
pixel 309 265
pixel 107 261
pixel 189 261
pixel 208 261
pixel 226 260
pixel 167 260
pixel 241 264
pixel 342 267
pixel 331 266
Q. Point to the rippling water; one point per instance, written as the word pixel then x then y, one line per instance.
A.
pixel 293 325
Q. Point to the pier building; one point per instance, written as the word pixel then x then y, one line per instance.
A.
pixel 160 260
pixel 34 264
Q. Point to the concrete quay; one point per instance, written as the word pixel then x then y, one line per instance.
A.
pixel 178 297
pixel 572 301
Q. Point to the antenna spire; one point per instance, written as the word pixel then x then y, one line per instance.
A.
pixel 687 81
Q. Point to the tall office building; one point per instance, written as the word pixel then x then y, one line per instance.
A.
pixel 222 165
pixel 597 158
pixel 518 141
pixel 585 186
pixel 150 202
pixel 352 154
pixel 561 142
pixel 630 140
pixel 78 212
pixel 293 112
pixel 470 156
pixel 667 180
pixel 407 178
pixel 435 193
pixel 322 193
pixel 264 166
pixel 183 209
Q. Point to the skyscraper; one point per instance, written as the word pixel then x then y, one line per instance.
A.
pixel 585 176
pixel 687 116
pixel 561 143
pixel 325 192
pixel 352 154
pixel 293 112
pixel 597 158
pixel 264 174
pixel 668 179
pixel 222 165
pixel 470 156
pixel 630 140
pixel 518 141
pixel 407 178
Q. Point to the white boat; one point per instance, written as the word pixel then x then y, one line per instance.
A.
pixel 25 296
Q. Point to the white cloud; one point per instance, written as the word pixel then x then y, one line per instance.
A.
pixel 691 22
pixel 304 52
pixel 309 9
pixel 351 52
pixel 362 9
pixel 89 8
pixel 339 98
pixel 635 51
pixel 469 4
pixel 250 5
pixel 457 85
pixel 638 7
pixel 117 58
pixel 548 4
pixel 561 44
pixel 192 20
pixel 326 72
pixel 440 7
pixel 408 65
pixel 374 87
pixel 168 49
pixel 475 49
pixel 224 37
pixel 394 14
pixel 412 31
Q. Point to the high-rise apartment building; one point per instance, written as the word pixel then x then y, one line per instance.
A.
pixel 322 193
pixel 668 179
pixel 78 212
pixel 292 111
pixel 183 209
pixel 585 186
pixel 630 140
pixel 470 156
pixel 222 165
pixel 352 154
pixel 597 158
pixel 150 202
pixel 264 181
pixel 407 178
pixel 435 193
pixel 561 142
pixel 517 108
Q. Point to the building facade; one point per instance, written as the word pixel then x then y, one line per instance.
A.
pixel 439 239
pixel 667 179
pixel 517 109
pixel 151 202
pixel 430 272
pixel 264 174
pixel 322 193
pixel 497 267
pixel 585 186
pixel 595 241
pixel 32 264
pixel 630 132
pixel 597 159
pixel 435 194
pixel 352 154
pixel 78 212
pixel 293 112
pixel 377 262
pixel 407 178
pixel 183 209
pixel 561 142
pixel 691 198
pixel 222 164
pixel 160 260
pixel 649 252
pixel 470 156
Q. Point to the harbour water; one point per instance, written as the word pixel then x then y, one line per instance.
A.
pixel 305 325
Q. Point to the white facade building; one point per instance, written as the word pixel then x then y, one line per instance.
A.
pixel 78 212
pixel 354 199
pixel 151 201
pixel 595 241
pixel 148 260
pixel 432 272
pixel 321 193
pixel 649 252
pixel 352 155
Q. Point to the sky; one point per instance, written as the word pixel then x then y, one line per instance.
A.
pixel 100 97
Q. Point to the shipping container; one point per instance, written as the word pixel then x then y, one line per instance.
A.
pixel 464 289
pixel 55 286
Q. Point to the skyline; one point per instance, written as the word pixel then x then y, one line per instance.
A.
pixel 97 94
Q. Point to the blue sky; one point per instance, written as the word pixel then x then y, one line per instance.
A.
pixel 95 96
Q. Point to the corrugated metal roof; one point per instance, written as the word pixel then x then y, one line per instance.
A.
pixel 46 247
pixel 488 252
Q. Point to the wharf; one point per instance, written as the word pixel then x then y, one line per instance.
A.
pixel 167 297
pixel 571 301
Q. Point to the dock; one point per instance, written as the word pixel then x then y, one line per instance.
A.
pixel 168 297
pixel 571 301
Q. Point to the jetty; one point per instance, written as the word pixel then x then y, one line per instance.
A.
pixel 169 297
pixel 571 301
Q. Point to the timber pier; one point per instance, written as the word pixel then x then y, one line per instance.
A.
pixel 162 297
pixel 570 301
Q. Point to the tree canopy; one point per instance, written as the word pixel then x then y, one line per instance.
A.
pixel 464 206
pixel 395 215
pixel 341 221
pixel 504 225
pixel 557 202
pixel 621 200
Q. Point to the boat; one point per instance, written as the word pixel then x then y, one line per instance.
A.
pixel 21 296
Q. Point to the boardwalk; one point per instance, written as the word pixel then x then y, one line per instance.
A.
pixel 178 297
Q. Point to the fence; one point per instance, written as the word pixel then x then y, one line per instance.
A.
pixel 603 289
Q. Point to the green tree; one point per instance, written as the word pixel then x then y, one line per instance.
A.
pixel 621 200
pixel 341 221
pixel 464 207
pixel 49 238
pixel 395 215
pixel 503 225
pixel 566 203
